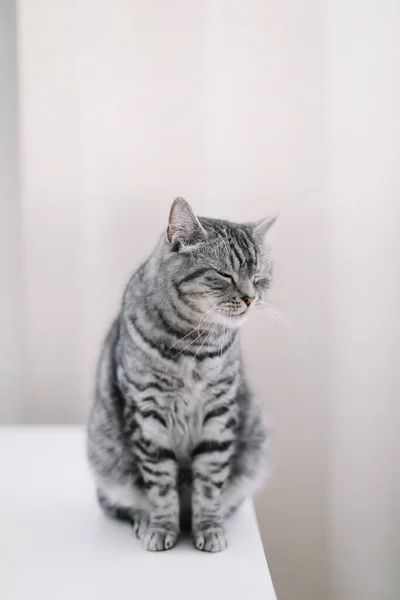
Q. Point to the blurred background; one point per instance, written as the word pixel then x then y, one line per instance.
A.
pixel 111 108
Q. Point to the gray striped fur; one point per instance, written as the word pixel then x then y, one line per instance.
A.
pixel 175 435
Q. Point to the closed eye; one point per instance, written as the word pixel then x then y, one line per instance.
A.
pixel 225 276
pixel 262 283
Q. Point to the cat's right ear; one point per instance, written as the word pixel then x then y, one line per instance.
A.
pixel 184 228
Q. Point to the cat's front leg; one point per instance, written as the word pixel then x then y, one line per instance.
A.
pixel 158 467
pixel 211 462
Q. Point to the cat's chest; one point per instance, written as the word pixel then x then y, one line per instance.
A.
pixel 185 414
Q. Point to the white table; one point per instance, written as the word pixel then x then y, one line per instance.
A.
pixel 55 544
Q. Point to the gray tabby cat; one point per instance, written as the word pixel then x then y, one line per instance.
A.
pixel 175 435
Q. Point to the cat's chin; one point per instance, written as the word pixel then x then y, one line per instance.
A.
pixel 233 320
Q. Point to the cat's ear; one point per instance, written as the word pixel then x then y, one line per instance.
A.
pixel 184 228
pixel 261 227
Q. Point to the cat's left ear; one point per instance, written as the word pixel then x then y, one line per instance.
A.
pixel 261 227
pixel 184 228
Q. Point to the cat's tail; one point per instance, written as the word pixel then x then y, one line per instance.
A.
pixel 115 512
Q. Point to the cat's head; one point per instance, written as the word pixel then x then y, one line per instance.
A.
pixel 221 267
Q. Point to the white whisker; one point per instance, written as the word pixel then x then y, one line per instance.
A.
pixel 279 319
pixel 202 318
pixel 212 328
pixel 193 341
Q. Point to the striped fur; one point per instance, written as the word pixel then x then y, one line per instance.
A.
pixel 175 435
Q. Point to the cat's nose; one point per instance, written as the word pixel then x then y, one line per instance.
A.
pixel 247 300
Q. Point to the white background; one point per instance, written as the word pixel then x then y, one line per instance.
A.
pixel 245 108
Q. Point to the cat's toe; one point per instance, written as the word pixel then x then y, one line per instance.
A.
pixel 140 524
pixel 211 540
pixel 156 540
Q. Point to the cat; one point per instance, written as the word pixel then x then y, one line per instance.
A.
pixel 175 436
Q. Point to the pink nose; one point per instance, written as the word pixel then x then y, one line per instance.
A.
pixel 247 300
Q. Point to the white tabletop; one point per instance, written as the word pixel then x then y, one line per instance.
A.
pixel 55 544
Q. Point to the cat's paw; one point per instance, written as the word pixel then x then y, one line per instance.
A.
pixel 159 539
pixel 140 524
pixel 212 539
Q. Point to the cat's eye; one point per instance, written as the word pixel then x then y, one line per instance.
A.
pixel 256 279
pixel 225 275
